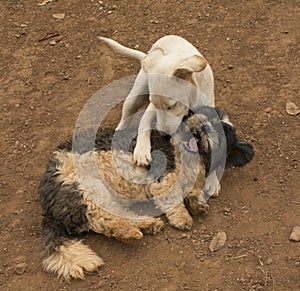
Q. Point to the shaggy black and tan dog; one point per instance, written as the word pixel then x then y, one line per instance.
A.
pixel 69 207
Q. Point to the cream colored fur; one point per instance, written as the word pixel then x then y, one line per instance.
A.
pixel 174 77
pixel 71 260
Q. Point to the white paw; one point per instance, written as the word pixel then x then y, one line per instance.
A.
pixel 212 191
pixel 120 126
pixel 142 154
pixel 212 185
pixel 217 191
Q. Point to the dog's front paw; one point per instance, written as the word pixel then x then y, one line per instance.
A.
pixel 184 222
pixel 217 191
pixel 212 191
pixel 180 219
pixel 196 206
pixel 142 154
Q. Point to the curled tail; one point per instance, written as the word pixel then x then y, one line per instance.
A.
pixel 122 49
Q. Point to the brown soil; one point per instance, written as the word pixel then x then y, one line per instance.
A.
pixel 253 48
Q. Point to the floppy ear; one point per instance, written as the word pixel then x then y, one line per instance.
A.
pixel 239 153
pixel 189 65
pixel 149 61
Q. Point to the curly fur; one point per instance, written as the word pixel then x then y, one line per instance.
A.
pixel 68 208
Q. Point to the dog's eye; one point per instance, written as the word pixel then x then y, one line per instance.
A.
pixel 205 128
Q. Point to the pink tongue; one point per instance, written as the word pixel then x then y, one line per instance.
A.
pixel 193 144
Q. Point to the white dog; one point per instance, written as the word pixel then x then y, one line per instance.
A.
pixel 174 77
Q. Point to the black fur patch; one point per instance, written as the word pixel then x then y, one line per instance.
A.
pixel 239 153
pixel 63 208
pixel 107 139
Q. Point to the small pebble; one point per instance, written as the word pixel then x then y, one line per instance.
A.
pixel 269 261
pixel 185 235
pixel 218 241
pixel 67 77
pixel 20 268
pixel 20 192
pixel 295 235
pixel 268 109
pixel 59 15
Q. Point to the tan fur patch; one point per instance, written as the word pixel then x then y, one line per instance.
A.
pixel 102 221
pixel 179 217
pixel 71 260
pixel 119 177
pixel 66 167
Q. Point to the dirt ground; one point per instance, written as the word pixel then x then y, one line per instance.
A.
pixel 253 48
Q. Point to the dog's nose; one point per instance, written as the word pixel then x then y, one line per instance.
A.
pixel 205 128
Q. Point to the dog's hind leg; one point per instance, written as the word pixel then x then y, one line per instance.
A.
pixel 101 221
pixel 119 228
pixel 67 258
pixel 138 96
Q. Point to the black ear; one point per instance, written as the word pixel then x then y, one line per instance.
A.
pixel 239 153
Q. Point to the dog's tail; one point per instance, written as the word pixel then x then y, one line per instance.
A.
pixel 64 257
pixel 64 214
pixel 122 49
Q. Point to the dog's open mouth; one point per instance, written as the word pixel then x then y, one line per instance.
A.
pixel 191 145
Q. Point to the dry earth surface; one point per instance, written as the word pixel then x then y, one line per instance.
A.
pixel 253 48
